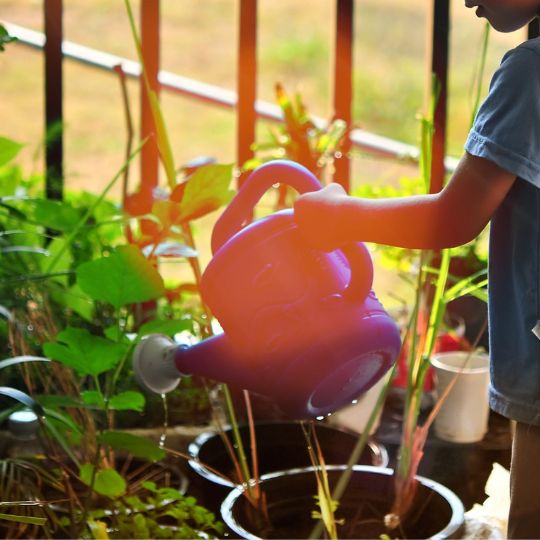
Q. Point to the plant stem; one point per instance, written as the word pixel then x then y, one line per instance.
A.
pixel 345 477
pixel 238 440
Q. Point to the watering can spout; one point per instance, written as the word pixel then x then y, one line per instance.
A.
pixel 159 363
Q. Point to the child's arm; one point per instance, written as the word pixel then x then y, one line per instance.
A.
pixel 330 218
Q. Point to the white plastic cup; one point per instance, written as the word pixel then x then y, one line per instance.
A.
pixel 356 415
pixel 463 417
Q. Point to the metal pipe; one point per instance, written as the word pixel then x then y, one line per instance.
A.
pixel 371 143
pixel 439 63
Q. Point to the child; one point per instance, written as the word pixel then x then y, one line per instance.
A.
pixel 498 178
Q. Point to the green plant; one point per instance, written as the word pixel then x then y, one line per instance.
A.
pixel 300 139
pixel 5 38
pixel 158 512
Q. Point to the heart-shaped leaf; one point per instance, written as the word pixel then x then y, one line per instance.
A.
pixel 124 277
pixel 85 353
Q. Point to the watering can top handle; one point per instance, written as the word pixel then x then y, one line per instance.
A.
pixel 256 185
pixel 303 180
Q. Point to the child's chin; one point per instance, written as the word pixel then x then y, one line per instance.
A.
pixel 505 27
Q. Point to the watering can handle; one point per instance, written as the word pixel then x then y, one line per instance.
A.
pixel 303 180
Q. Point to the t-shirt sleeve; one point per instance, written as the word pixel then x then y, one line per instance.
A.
pixel 506 129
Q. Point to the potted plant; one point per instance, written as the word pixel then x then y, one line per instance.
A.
pixel 403 500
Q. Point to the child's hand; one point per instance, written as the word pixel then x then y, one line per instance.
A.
pixel 317 215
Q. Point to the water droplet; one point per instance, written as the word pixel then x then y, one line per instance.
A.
pixel 163 436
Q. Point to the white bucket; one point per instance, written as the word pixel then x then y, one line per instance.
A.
pixel 463 418
pixel 356 415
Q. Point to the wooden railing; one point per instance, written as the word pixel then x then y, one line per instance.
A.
pixel 247 108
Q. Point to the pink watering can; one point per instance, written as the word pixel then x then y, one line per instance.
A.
pixel 300 325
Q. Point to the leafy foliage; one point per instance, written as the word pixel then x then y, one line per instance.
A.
pixel 206 190
pixel 160 513
pixel 300 138
pixel 107 482
pixel 124 277
pixel 87 354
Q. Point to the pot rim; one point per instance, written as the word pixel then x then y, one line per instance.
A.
pixel 378 449
pixel 456 506
pixel 437 361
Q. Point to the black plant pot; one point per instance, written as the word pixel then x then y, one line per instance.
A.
pixel 280 446
pixel 437 512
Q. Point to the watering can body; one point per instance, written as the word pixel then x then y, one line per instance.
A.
pixel 300 325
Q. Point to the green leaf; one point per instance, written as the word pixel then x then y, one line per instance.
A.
pixel 207 190
pixel 75 299
pixel 29 520
pixel 98 529
pixel 65 259
pixel 168 327
pixel 107 482
pixel 57 215
pixel 57 401
pixel 127 401
pixel 138 446
pixel 5 38
pixel 140 526
pixel 124 277
pixel 8 148
pixel 93 398
pixel 85 353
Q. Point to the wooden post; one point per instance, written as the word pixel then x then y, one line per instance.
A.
pixel 54 147
pixel 151 55
pixel 343 83
pixel 246 82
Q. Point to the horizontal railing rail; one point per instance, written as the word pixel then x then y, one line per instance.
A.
pixel 366 141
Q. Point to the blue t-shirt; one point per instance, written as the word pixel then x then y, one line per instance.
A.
pixel 507 132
